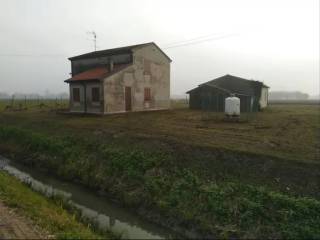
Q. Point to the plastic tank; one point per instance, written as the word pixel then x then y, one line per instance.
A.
pixel 232 106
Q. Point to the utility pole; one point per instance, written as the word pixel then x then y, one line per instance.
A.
pixel 94 39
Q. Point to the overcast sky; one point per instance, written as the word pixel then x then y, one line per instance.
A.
pixel 274 41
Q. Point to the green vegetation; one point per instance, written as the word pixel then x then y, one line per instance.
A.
pixel 49 215
pixel 32 104
pixel 284 131
pixel 250 180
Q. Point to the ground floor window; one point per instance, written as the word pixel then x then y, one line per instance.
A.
pixel 76 94
pixel 147 94
pixel 95 94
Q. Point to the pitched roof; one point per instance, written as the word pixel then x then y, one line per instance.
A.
pixel 212 86
pixel 97 73
pixel 113 51
pixel 236 85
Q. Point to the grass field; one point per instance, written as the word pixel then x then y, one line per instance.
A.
pixel 285 131
pixel 32 104
pixel 246 177
pixel 47 214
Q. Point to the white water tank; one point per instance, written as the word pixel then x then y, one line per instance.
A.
pixel 232 106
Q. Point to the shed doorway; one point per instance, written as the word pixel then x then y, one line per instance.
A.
pixel 127 93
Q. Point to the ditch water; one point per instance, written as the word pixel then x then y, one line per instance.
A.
pixel 105 214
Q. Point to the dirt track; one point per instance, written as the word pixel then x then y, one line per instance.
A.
pixel 13 226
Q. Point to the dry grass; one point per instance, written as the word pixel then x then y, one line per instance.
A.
pixel 46 214
pixel 260 167
pixel 286 131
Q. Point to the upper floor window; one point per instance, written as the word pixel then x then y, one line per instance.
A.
pixel 95 94
pixel 76 94
pixel 147 94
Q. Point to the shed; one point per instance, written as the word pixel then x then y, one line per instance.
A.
pixel 210 96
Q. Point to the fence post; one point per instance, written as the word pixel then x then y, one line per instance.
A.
pixel 12 101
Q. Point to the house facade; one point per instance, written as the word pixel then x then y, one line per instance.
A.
pixel 132 78
pixel 211 95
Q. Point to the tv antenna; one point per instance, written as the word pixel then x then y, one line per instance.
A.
pixel 94 39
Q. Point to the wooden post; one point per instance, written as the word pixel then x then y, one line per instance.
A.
pixel 12 101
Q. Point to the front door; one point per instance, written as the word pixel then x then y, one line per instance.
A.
pixel 127 93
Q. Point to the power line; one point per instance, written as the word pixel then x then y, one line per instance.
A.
pixel 32 55
pixel 190 40
pixel 201 41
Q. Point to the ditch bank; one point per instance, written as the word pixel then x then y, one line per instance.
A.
pixel 211 194
pixel 100 212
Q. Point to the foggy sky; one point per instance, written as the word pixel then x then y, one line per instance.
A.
pixel 274 41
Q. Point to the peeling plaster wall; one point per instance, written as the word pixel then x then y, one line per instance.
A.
pixel 150 69
pixel 154 68
pixel 76 106
pixel 86 93
pixel 94 107
pixel 114 91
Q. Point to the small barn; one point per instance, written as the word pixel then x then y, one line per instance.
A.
pixel 210 96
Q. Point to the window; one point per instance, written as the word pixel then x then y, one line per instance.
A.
pixel 147 94
pixel 95 94
pixel 76 94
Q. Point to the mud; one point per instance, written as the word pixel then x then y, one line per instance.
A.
pixel 13 226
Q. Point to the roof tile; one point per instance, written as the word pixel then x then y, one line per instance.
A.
pixel 97 73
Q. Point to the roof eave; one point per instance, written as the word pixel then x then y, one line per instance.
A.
pixel 129 50
pixel 192 90
pixel 82 80
pixel 102 77
pixel 88 55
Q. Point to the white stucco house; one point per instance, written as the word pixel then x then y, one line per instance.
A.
pixel 131 78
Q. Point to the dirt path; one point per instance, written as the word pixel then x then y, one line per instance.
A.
pixel 13 226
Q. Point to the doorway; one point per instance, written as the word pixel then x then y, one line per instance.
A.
pixel 127 93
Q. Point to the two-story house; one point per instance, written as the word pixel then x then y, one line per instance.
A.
pixel 132 78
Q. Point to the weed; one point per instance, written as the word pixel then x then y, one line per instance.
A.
pixel 222 193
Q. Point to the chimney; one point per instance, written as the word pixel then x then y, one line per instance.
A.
pixel 110 66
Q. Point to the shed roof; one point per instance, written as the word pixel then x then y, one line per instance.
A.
pixel 236 85
pixel 211 86
pixel 97 73
pixel 114 51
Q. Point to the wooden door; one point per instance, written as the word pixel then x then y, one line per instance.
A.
pixel 127 93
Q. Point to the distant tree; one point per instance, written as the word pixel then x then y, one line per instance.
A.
pixel 4 95
pixel 286 95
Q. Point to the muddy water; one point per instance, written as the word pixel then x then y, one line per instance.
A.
pixel 100 211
